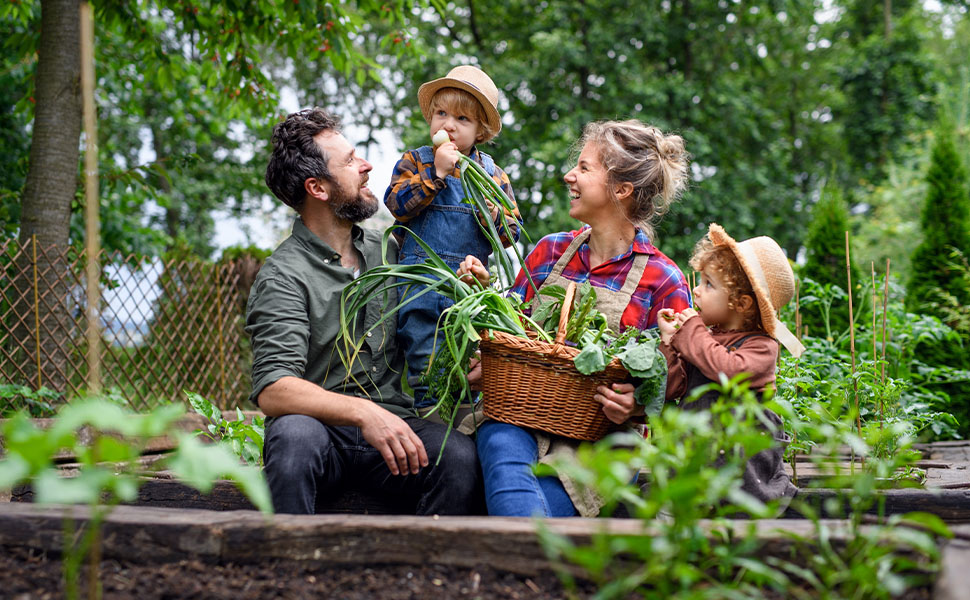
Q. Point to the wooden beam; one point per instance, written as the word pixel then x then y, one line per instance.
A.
pixel 954 580
pixel 157 535
pixel 951 505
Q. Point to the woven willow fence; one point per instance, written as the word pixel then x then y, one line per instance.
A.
pixel 167 326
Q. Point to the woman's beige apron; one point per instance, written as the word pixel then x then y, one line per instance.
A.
pixel 612 304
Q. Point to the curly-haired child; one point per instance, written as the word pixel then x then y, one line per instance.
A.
pixel 735 329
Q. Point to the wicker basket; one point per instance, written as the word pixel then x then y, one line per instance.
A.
pixel 532 383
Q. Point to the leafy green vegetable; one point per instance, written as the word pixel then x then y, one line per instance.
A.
pixel 639 357
pixel 477 308
pixel 244 439
pixel 590 359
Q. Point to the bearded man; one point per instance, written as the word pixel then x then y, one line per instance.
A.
pixel 328 429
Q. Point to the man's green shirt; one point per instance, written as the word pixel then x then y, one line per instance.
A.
pixel 293 319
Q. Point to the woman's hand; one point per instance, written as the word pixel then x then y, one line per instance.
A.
pixel 618 402
pixel 667 324
pixel 472 269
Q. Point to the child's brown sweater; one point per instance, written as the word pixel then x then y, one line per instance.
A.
pixel 709 351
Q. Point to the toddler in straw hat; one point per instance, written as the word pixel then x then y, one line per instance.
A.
pixel 734 330
pixel 426 196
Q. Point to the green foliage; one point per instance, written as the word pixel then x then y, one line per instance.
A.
pixel 187 86
pixel 945 225
pixel 910 384
pixel 694 461
pixel 39 403
pixel 14 138
pixel 951 309
pixel 244 439
pixel 816 304
pixel 240 252
pixel 886 78
pixel 108 456
pixel 825 239
pixel 109 471
pixel 889 225
pixel 752 89
pixel 825 255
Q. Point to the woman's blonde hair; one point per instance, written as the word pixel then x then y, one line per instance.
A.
pixel 642 155
pixel 463 103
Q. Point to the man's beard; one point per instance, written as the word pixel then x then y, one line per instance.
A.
pixel 353 207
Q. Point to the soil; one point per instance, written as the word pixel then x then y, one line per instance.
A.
pixel 27 575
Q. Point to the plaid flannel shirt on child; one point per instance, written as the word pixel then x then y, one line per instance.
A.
pixel 414 185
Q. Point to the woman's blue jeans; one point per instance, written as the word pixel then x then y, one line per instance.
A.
pixel 507 453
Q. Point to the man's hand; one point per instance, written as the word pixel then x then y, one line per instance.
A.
pixel 401 448
pixel 618 402
pixel 446 158
pixel 471 269
pixel 474 375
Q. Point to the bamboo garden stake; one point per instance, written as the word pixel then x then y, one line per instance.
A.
pixel 92 220
pixel 855 384
pixel 872 269
pixel 885 301
pixel 92 204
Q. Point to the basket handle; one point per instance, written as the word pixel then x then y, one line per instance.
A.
pixel 567 307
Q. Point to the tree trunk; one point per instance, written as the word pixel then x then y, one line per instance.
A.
pixel 49 189
pixel 52 177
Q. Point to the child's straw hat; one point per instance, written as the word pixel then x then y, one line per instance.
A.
pixel 472 80
pixel 771 277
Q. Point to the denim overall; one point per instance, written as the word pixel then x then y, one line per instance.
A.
pixel 451 228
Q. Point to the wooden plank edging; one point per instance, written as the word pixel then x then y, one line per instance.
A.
pixel 154 535
pixel 954 580
pixel 953 506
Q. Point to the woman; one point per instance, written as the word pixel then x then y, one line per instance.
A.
pixel 626 177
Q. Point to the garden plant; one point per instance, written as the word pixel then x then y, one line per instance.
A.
pixel 691 544
pixel 107 441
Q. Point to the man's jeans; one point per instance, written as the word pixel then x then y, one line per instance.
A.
pixel 511 488
pixel 305 459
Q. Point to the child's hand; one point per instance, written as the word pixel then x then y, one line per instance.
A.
pixel 492 209
pixel 685 314
pixel 472 269
pixel 667 324
pixel 446 158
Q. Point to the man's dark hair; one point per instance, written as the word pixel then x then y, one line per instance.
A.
pixel 296 157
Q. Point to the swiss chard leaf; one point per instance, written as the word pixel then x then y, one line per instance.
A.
pixel 590 359
pixel 639 357
pixel 653 387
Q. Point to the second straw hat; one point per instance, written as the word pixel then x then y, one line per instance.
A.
pixel 771 277
pixel 470 79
